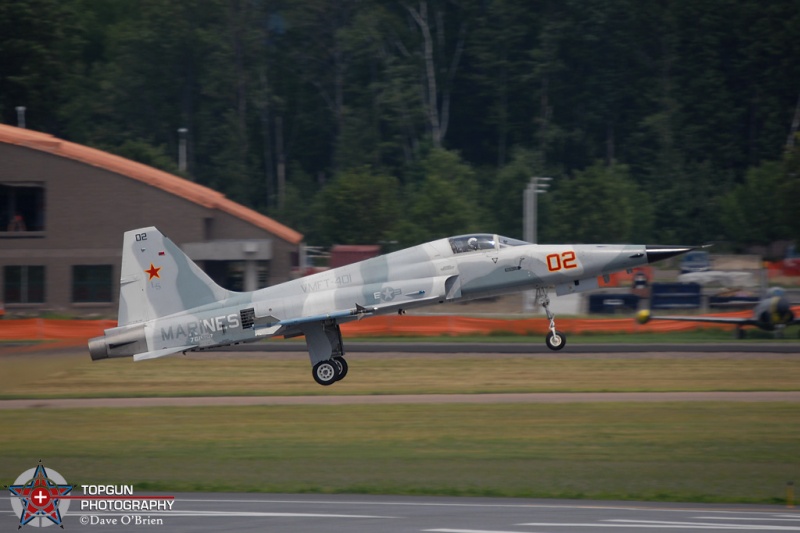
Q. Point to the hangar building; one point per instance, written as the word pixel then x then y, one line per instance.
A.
pixel 64 208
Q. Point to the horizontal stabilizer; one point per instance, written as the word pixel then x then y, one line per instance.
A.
pixel 155 354
pixel 267 331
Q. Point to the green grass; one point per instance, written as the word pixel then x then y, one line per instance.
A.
pixel 74 376
pixel 722 452
pixel 698 451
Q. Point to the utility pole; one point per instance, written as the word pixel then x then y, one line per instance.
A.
pixel 182 149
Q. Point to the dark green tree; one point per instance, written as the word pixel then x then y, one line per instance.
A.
pixel 357 207
pixel 601 204
pixel 446 202
pixel 40 52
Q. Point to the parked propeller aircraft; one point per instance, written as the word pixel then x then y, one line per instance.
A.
pixel 772 313
pixel 168 305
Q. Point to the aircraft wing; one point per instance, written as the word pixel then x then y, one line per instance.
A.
pixel 280 327
pixel 644 316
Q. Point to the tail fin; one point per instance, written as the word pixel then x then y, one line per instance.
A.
pixel 158 279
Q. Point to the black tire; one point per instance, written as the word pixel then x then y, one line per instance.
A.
pixel 342 364
pixel 557 341
pixel 325 372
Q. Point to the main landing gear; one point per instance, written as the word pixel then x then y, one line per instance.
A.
pixel 555 340
pixel 324 341
pixel 330 371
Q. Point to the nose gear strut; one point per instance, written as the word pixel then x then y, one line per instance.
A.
pixel 555 340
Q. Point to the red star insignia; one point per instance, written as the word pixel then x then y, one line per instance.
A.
pixel 153 272
pixel 40 497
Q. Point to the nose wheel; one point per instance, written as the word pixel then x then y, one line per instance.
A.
pixel 555 339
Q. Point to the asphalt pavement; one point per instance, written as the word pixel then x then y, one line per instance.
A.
pixel 210 512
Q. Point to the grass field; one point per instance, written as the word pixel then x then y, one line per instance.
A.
pixel 671 451
pixel 698 451
pixel 72 376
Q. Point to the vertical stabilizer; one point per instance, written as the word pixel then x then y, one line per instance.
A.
pixel 158 279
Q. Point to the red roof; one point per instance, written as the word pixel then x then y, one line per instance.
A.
pixel 156 178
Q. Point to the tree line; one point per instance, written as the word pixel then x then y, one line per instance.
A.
pixel 361 121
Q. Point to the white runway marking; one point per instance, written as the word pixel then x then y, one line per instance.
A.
pixel 794 519
pixel 232 513
pixel 472 531
pixel 762 527
pixel 633 523
pixel 653 524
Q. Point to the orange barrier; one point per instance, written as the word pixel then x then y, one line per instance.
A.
pixel 425 326
pixel 390 326
pixel 47 329
pixel 619 279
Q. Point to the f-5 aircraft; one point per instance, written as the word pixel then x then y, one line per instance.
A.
pixel 167 304
pixel 772 313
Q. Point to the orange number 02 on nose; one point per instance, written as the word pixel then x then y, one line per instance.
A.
pixel 563 260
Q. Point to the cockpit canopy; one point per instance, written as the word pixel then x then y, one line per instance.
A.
pixel 482 241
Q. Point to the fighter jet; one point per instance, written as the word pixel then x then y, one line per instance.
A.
pixel 168 305
pixel 772 313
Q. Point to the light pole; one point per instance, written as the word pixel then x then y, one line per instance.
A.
pixel 20 116
pixel 538 185
pixel 182 149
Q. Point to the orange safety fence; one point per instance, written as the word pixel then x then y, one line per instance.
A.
pixel 424 326
pixel 47 329
pixel 390 326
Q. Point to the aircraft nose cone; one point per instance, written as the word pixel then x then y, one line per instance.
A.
pixel 658 253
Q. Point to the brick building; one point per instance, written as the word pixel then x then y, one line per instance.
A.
pixel 64 208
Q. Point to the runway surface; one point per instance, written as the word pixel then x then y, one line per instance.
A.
pixel 204 512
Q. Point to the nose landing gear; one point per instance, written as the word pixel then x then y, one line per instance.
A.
pixel 555 340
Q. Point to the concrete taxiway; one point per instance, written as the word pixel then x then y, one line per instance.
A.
pixel 204 512
pixel 543 397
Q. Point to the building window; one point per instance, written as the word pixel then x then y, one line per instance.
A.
pixel 21 207
pixel 91 283
pixel 23 285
